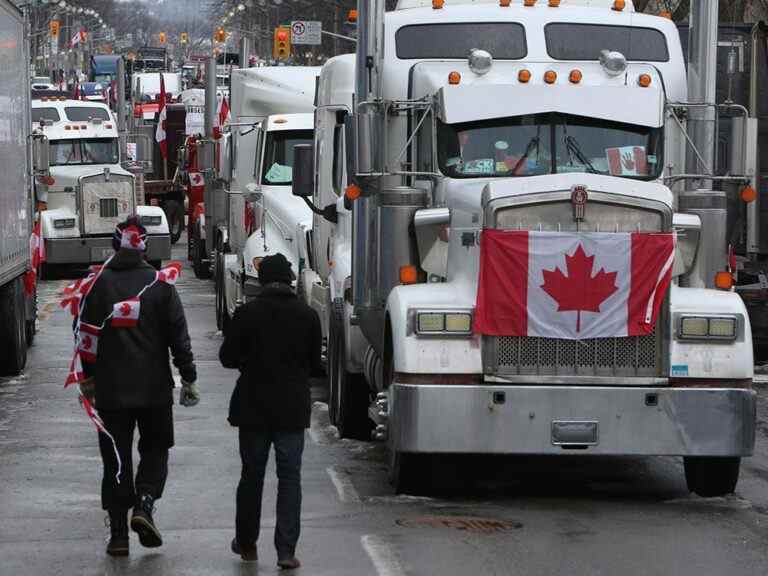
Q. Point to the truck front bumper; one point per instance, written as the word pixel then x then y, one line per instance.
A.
pixel 91 250
pixel 513 419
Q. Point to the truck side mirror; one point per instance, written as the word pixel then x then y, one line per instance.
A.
pixel 303 170
pixel 41 159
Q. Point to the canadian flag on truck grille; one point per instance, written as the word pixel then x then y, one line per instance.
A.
pixel 126 313
pixel 572 285
pixel 88 342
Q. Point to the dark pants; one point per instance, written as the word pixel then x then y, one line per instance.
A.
pixel 155 438
pixel 254 453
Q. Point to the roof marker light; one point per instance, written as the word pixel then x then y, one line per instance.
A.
pixel 529 3
pixel 505 3
pixel 748 194
pixel 665 14
pixel 619 5
pixel 352 16
pixel 353 192
pixel 437 4
pixel 554 3
pixel 724 280
pixel 454 78
pixel 550 76
pixel 280 121
pixel 524 76
pixel 67 127
pixel 409 274
pixel 575 76
pixel 644 80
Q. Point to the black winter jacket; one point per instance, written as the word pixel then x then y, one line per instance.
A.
pixel 132 365
pixel 275 342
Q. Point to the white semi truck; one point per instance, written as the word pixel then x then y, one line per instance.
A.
pixel 271 112
pixel 17 299
pixel 88 191
pixel 572 120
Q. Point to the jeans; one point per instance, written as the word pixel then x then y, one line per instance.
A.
pixel 254 453
pixel 155 438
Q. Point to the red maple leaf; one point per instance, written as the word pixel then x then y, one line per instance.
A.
pixel 125 309
pixel 579 291
pixel 87 343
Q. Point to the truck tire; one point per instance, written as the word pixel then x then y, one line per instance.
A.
pixel 175 214
pixel 407 472
pixel 709 477
pixel 348 395
pixel 13 334
pixel 199 259
pixel 222 314
pixel 31 324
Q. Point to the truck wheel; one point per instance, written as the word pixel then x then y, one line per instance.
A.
pixel 222 313
pixel 31 324
pixel 709 477
pixel 407 472
pixel 175 214
pixel 13 334
pixel 199 260
pixel 348 392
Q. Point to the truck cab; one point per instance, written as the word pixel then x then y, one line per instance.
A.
pixel 88 192
pixel 482 119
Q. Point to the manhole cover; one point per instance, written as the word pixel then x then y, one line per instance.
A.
pixel 465 523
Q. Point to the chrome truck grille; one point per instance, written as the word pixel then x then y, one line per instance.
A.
pixel 642 356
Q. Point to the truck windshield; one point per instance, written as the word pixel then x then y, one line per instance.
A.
pixel 85 151
pixel 548 144
pixel 278 155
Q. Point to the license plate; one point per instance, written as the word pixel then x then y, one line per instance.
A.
pixel 575 433
pixel 100 254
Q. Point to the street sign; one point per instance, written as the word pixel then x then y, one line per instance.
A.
pixel 307 32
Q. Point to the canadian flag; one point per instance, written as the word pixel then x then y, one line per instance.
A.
pixel 170 274
pixel 88 342
pixel 126 313
pixel 132 239
pixel 37 257
pixel 76 373
pixel 222 114
pixel 161 121
pixel 196 182
pixel 572 285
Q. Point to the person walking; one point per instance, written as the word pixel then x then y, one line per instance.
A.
pixel 275 342
pixel 131 382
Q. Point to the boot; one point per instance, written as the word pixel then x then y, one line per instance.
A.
pixel 118 533
pixel 143 524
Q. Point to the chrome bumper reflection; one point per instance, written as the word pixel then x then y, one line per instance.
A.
pixel 553 419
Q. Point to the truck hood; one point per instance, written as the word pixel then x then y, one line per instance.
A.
pixel 68 176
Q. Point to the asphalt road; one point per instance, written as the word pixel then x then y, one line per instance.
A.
pixel 527 516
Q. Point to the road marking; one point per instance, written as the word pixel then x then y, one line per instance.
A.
pixel 344 487
pixel 383 558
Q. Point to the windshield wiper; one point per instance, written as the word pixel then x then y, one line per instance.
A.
pixel 533 142
pixel 573 147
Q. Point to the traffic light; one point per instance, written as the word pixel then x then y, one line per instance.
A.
pixel 184 37
pixel 282 46
pixel 162 37
pixel 53 28
pixel 220 35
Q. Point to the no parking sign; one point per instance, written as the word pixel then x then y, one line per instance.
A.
pixel 307 32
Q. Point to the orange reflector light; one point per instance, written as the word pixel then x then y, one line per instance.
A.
pixel 505 3
pixel 644 80
pixel 524 76
pixel 748 194
pixel 437 4
pixel 280 121
pixel 554 3
pixel 529 3
pixel 67 127
pixel 409 275
pixel 83 127
pixel 42 206
pixel 666 14
pixel 724 280
pixel 353 192
pixel 619 5
pixel 109 126
pixel 352 16
pixel 454 78
pixel 575 76
pixel 550 76
pixel 75 127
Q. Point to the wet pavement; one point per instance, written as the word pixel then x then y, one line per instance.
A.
pixel 528 516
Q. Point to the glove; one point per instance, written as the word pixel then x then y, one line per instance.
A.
pixel 189 395
pixel 88 389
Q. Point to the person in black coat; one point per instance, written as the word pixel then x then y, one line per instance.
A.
pixel 133 383
pixel 275 342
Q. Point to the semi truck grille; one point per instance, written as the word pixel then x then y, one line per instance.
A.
pixel 532 356
pixel 108 207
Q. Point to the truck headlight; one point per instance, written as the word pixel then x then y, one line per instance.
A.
pixel 708 328
pixel 458 323
pixel 62 223
pixel 151 220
